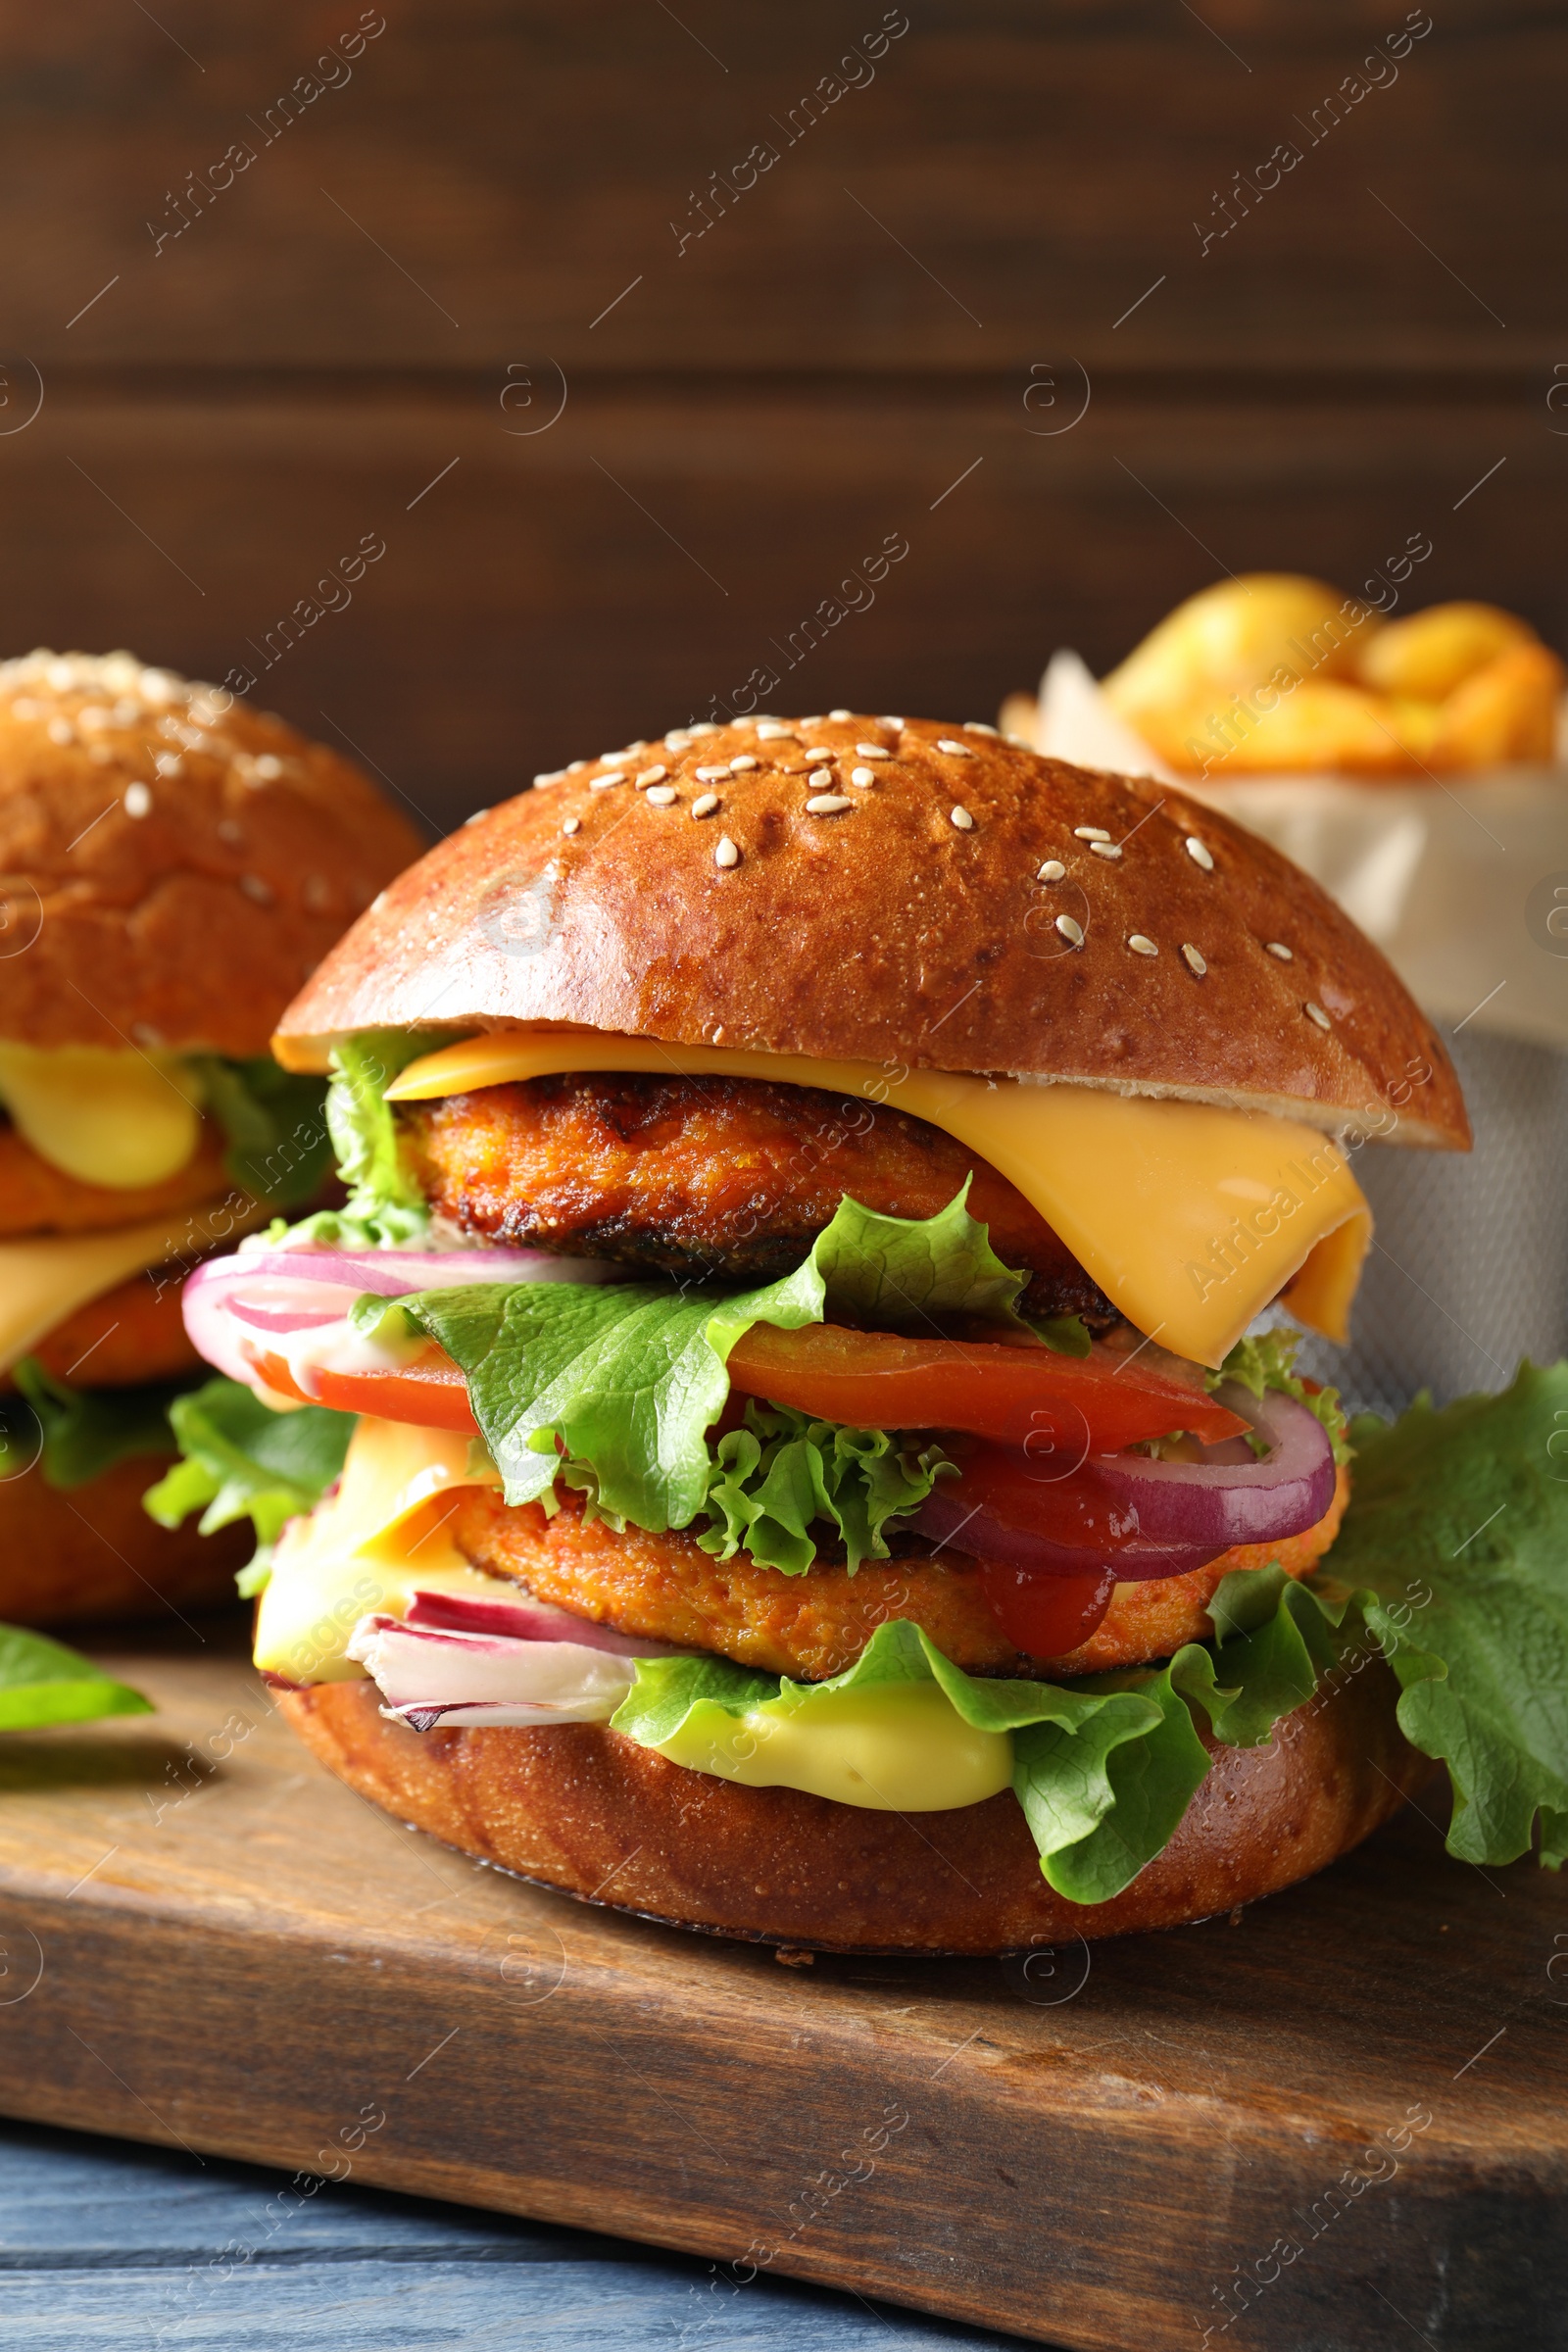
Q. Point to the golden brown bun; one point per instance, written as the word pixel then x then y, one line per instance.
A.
pixel 70 1557
pixel 188 926
pixel 581 1808
pixel 885 931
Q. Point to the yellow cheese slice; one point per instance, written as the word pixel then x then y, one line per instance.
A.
pixel 901 1750
pixel 104 1115
pixel 1190 1218
pixel 43 1281
pixel 380 1539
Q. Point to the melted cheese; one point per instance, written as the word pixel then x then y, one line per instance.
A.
pixel 1190 1218
pixel 379 1537
pixel 123 1119
pixel 42 1282
pixel 901 1750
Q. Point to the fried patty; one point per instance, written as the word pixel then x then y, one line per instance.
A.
pixel 723 1178
pixel 813 1626
pixel 35 1198
pixel 131 1334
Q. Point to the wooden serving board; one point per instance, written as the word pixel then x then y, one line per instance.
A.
pixel 1339 2121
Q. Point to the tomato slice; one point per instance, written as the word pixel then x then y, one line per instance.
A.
pixel 430 1392
pixel 1065 1406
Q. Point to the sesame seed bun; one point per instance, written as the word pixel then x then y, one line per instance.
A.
pixel 581 1808
pixel 905 890
pixel 173 863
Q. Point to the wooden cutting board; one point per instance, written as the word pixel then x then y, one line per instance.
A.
pixel 1336 2121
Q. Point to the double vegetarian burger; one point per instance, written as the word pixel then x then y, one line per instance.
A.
pixel 171 866
pixel 793 1430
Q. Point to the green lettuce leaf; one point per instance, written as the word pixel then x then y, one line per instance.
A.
pixel 1104 1767
pixel 773 1478
pixel 1455 1551
pixel 385 1208
pixel 274 1119
pixel 75 1435
pixel 41 1682
pixel 630 1376
pixel 1265 1360
pixel 243 1460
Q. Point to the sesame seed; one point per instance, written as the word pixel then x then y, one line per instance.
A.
pixel 954 751
pixel 603 783
pixel 738 767
pixel 571 824
pixel 157 685
pixel 820 750
pixel 651 776
pixel 1194 961
pixel 60 676
pixel 1020 743
pixel 577 767
pixel 1315 1013
pixel 715 775
pixel 1105 848
pixel 841 714
pixel 552 775
pixel 862 775
pixel 1071 932
pixel 660 795
pixel 1140 945
pixel 138 800
pixel 961 817
pixel 705 804
pixel 827 804
pixel 1277 946
pixel 61 730
pixel 169 763
pixel 1053 870
pixel 770 730
pixel 677 739
pixel 897 724
pixel 234 834
pixel 703 727
pixel 1089 833
pixel 726 852
pixel 820 776
pixel 871 750
pixel 977 726
pixel 1199 855
pixel 255 888
pixel 268 768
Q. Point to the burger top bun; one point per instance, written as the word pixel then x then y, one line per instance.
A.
pixel 903 892
pixel 172 865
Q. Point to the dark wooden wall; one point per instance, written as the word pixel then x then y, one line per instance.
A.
pixel 887 336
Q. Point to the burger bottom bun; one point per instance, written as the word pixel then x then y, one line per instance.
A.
pixel 581 1808
pixel 91 1553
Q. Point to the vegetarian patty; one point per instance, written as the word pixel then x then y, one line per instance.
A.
pixel 813 1626
pixel 725 1178
pixel 36 1198
pixel 132 1333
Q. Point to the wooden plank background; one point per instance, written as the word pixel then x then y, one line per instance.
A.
pixel 438 223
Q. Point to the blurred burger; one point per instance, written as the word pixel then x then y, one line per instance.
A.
pixel 793 1430
pixel 171 866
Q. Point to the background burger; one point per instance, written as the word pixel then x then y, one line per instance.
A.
pixel 796 1450
pixel 171 866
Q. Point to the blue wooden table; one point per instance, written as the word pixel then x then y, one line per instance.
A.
pixel 105 2244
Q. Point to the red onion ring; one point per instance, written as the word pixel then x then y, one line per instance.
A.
pixel 1177 1515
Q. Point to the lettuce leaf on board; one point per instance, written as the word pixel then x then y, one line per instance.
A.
pixel 41 1682
pixel 243 1460
pixel 1454 1551
pixel 631 1376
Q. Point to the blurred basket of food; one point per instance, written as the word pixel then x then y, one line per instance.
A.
pixel 1417 766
